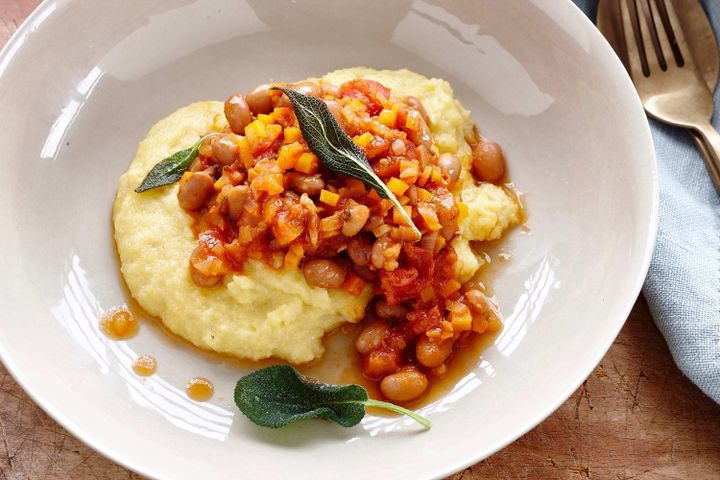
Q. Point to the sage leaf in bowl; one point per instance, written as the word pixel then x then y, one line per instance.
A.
pixel 171 169
pixel 278 395
pixel 335 148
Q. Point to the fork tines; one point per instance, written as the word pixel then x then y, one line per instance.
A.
pixel 653 36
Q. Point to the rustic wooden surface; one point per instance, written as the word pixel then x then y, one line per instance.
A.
pixel 636 416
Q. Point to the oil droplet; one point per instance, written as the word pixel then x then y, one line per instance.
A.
pixel 145 366
pixel 119 323
pixel 199 389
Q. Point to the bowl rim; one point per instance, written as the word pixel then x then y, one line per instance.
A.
pixel 46 8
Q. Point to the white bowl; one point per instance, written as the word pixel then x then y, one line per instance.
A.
pixel 81 83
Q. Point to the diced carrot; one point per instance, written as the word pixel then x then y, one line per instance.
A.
pixel 283 115
pixel 424 195
pixel 271 183
pixel 398 219
pixel 425 175
pixel 460 317
pixel 397 186
pixel 256 128
pixel 244 152
pixel 288 155
pixel 429 215
pixel 439 244
pixel 357 104
pixel 412 121
pixel 409 170
pixel 373 196
pixel 353 284
pixel 427 294
pixel 436 175
pixel 291 134
pixel 307 163
pixel 266 119
pixel 449 287
pixel 293 257
pixel 329 198
pixel 363 140
pixel 388 118
pixel 273 132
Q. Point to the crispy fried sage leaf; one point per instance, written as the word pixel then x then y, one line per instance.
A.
pixel 170 170
pixel 277 395
pixel 335 148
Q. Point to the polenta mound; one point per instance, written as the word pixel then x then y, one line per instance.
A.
pixel 260 250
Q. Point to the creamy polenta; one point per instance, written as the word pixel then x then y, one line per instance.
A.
pixel 261 312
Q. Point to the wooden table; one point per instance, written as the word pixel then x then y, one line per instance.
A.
pixel 635 417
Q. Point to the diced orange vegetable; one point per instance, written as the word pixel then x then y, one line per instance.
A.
pixel 397 186
pixel 266 119
pixel 244 152
pixel 221 182
pixel 398 219
pixel 283 115
pixel 388 118
pixel 449 287
pixel 436 175
pixel 412 121
pixel 460 317
pixel 293 256
pixel 425 175
pixel 429 215
pixel 409 176
pixel 439 244
pixel 427 294
pixel 307 163
pixel 357 104
pixel 364 139
pixel 273 132
pixel 353 284
pixel 329 198
pixel 424 195
pixel 288 155
pixel 373 195
pixel 291 134
pixel 256 128
pixel 271 183
pixel 261 136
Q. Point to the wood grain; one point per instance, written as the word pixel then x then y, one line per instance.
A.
pixel 636 416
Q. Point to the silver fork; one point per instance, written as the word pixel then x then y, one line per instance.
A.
pixel 667 80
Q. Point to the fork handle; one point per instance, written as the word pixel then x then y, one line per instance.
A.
pixel 711 156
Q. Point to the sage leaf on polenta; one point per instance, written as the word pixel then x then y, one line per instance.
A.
pixel 171 169
pixel 335 148
pixel 278 395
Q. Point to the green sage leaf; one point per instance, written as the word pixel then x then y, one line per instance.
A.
pixel 335 148
pixel 278 395
pixel 171 169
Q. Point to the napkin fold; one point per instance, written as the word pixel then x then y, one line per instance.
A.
pixel 683 284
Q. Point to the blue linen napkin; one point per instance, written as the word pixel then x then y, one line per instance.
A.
pixel 683 285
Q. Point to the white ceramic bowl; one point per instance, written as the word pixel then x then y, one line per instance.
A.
pixel 82 81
